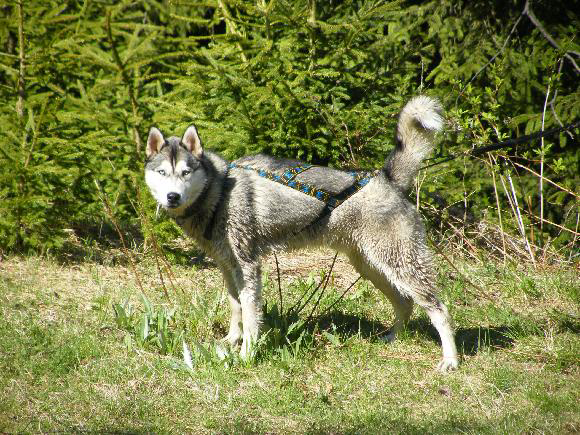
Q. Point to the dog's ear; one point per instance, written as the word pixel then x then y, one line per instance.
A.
pixel 192 142
pixel 154 142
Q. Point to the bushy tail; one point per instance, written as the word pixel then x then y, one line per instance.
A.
pixel 418 122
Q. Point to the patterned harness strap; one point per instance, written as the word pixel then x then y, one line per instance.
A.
pixel 360 180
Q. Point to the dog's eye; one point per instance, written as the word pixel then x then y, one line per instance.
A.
pixel 161 172
pixel 185 173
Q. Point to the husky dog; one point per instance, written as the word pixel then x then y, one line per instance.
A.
pixel 237 215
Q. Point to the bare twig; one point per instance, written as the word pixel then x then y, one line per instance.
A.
pixel 157 251
pixel 294 308
pixel 519 218
pixel 546 179
pixel 347 134
pixel 509 143
pixel 160 274
pixel 493 57
pixel 464 191
pixel 575 235
pixel 528 201
pixel 418 183
pixel 337 300
pixel 299 306
pixel 527 11
pixel 516 213
pixel 488 239
pixel 498 208
pixel 541 184
pixel 128 253
pixel 465 240
pixel 279 284
pixel 509 197
pixel 553 101
pixel 309 318
pixel 556 225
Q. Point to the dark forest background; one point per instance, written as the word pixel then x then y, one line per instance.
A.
pixel 81 82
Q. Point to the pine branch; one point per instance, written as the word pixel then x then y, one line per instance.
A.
pixel 231 25
pixel 490 61
pixel 126 80
pixel 21 61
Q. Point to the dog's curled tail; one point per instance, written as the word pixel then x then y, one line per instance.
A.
pixel 418 122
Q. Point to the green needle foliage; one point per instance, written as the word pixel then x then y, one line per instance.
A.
pixel 322 81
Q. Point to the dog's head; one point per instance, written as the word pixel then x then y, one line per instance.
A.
pixel 174 170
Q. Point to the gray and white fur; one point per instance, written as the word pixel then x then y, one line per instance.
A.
pixel 237 217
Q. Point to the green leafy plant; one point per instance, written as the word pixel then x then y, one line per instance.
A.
pixel 154 328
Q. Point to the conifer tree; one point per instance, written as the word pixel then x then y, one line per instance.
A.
pixel 323 81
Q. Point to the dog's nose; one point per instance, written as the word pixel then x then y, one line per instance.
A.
pixel 173 197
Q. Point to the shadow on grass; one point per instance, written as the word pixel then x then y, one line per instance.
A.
pixel 350 325
pixel 365 422
pixel 472 340
pixel 469 340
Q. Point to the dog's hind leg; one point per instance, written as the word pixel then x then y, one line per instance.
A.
pixel 402 305
pixel 420 287
pixel 440 318
pixel 411 278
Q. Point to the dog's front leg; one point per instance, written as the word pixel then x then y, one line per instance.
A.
pixel 235 332
pixel 251 302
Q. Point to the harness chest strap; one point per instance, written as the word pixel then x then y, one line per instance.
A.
pixel 288 179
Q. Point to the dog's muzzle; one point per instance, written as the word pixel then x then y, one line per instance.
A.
pixel 173 199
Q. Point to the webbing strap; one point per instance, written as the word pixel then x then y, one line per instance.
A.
pixel 288 179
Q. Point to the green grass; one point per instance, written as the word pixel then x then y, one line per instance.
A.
pixel 82 350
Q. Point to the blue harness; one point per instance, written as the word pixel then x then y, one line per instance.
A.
pixel 331 201
pixel 360 180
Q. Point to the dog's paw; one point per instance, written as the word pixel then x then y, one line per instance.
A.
pixel 247 352
pixel 448 364
pixel 233 339
pixel 249 347
pixel 223 351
